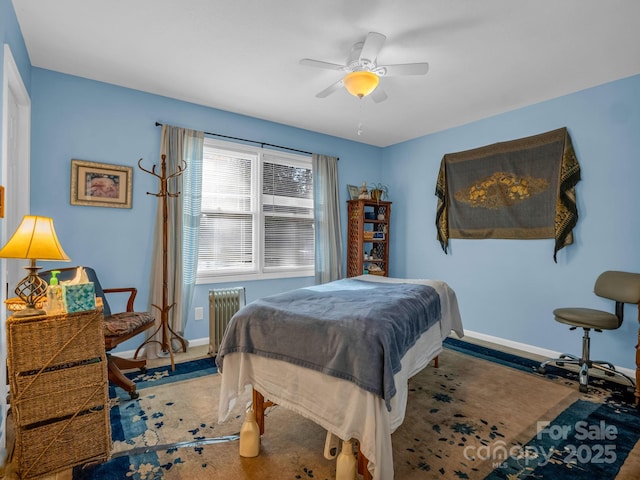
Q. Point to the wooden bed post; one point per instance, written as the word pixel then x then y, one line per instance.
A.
pixel 362 465
pixel 259 406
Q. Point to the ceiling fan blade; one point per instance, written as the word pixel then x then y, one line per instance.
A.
pixel 330 89
pixel 378 95
pixel 372 45
pixel 318 64
pixel 404 69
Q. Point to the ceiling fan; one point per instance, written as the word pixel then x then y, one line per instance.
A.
pixel 363 72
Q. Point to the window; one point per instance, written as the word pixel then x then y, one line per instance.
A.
pixel 257 213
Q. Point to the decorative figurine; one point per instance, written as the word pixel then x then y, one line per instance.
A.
pixel 364 192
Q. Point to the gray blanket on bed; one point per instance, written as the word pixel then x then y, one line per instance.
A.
pixel 351 329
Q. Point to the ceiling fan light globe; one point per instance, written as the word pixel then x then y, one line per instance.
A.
pixel 361 83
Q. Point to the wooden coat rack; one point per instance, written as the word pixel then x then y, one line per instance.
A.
pixel 168 334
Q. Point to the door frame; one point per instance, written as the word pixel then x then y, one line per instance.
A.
pixel 14 175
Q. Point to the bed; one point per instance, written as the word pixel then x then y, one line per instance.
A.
pixel 367 406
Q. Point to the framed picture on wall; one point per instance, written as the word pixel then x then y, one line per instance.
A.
pixel 101 184
pixel 354 192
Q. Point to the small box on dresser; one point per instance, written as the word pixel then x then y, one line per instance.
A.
pixel 58 389
pixel 79 297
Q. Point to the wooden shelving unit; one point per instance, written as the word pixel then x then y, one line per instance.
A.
pixel 368 234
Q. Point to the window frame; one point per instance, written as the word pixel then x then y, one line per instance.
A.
pixel 258 215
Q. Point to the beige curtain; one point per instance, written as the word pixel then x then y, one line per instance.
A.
pixel 328 232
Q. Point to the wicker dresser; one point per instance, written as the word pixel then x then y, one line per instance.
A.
pixel 58 391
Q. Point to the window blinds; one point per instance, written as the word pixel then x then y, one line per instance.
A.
pixel 257 212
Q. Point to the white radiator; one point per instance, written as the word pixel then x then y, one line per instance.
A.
pixel 223 304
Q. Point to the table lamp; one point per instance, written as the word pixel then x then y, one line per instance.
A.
pixel 34 239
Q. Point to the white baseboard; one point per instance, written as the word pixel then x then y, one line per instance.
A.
pixel 543 352
pixel 531 349
pixel 198 342
pixel 511 344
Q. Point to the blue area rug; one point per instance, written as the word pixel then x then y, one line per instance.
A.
pixel 123 429
pixel 591 440
pixel 614 391
pixel 475 417
pixel 154 377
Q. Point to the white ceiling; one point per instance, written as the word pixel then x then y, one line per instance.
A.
pixel 486 57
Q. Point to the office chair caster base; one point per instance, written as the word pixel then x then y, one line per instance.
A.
pixel 134 395
pixel 584 377
pixel 143 369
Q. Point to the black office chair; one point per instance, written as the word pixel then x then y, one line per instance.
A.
pixel 622 287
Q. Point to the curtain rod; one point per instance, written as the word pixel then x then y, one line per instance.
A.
pixel 262 144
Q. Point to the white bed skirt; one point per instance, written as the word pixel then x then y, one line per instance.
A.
pixel 338 405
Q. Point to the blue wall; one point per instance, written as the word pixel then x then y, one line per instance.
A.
pixel 10 35
pixel 509 288
pixel 75 118
pixel 506 288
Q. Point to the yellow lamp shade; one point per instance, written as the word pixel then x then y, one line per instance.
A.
pixel 361 83
pixel 35 238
